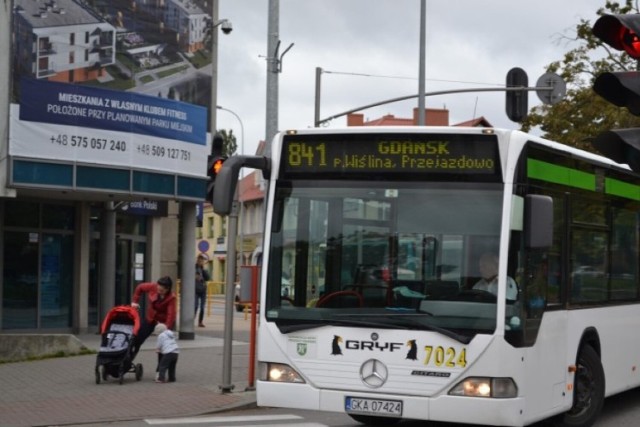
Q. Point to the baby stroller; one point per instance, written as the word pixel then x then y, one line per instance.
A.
pixel 115 358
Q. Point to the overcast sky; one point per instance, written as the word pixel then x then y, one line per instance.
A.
pixel 369 50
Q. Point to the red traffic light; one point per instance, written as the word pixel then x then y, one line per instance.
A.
pixel 620 32
pixel 630 42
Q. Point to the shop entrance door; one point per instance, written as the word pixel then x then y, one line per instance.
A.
pixel 129 267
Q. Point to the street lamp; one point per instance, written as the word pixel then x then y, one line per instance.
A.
pixel 241 126
pixel 241 214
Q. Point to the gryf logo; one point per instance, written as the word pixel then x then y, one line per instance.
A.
pixel 412 354
pixel 372 345
pixel 335 345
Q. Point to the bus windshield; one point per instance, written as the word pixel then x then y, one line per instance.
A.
pixel 383 254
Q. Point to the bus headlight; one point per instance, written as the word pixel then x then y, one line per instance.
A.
pixel 278 372
pixel 499 388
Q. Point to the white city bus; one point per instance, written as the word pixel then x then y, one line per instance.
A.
pixel 379 232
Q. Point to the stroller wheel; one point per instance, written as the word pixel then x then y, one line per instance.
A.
pixel 139 371
pixel 97 375
pixel 121 379
pixel 105 375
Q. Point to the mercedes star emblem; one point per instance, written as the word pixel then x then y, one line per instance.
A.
pixel 373 373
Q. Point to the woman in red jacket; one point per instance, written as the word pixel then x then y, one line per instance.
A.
pixel 161 307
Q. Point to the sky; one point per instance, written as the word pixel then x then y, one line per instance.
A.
pixel 369 52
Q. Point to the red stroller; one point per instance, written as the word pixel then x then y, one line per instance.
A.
pixel 119 331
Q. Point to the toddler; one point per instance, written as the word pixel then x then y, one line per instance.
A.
pixel 167 349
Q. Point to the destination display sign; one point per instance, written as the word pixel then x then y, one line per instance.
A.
pixel 403 153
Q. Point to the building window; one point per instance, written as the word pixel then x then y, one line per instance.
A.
pixel 72 39
pixel 72 57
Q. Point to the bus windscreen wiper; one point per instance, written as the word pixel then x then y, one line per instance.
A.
pixel 292 325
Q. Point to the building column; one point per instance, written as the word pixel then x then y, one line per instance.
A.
pixel 107 259
pixel 187 268
pixel 81 268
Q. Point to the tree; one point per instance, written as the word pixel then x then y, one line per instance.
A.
pixel 230 142
pixel 583 114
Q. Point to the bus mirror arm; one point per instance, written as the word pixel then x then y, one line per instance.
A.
pixel 227 180
pixel 538 219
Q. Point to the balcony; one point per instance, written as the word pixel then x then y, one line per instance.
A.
pixel 46 49
pixel 46 73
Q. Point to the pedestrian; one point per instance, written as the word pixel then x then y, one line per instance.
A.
pixel 161 307
pixel 202 277
pixel 167 349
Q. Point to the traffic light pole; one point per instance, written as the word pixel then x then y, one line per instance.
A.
pixel 232 230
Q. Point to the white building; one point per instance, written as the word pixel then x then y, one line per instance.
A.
pixel 61 40
pixel 189 22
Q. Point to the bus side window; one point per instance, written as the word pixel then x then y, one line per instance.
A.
pixel 536 286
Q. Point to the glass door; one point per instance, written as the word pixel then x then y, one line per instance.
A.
pixel 56 280
pixel 20 288
pixel 123 271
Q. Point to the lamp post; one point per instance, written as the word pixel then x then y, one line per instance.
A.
pixel 241 175
pixel 241 126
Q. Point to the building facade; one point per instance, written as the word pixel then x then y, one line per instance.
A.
pixel 98 186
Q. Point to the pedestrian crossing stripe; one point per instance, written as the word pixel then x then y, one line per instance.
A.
pixel 221 419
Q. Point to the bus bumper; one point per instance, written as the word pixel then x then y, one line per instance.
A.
pixel 468 410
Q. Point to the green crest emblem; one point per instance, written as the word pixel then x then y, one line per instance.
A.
pixel 301 347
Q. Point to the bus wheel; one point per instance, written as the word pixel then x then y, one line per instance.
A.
pixel 588 391
pixel 374 421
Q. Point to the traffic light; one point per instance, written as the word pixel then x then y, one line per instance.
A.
pixel 620 88
pixel 517 100
pixel 214 164
pixel 620 32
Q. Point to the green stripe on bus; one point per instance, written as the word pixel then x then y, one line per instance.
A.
pixel 622 189
pixel 560 175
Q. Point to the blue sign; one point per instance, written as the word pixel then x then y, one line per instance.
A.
pixel 75 105
pixel 145 208
pixel 203 246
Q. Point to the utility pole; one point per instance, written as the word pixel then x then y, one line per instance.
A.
pixel 273 39
pixel 316 115
pixel 421 70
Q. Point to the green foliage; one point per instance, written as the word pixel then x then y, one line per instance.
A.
pixel 230 142
pixel 582 114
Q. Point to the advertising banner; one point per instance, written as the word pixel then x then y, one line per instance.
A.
pixel 112 83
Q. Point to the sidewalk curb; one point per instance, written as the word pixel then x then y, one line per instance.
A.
pixel 227 408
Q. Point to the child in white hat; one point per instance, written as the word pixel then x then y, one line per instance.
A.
pixel 167 349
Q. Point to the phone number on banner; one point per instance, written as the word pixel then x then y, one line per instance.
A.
pixel 88 142
pixel 160 151
pixel 76 141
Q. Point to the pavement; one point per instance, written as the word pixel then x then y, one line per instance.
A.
pixel 63 391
